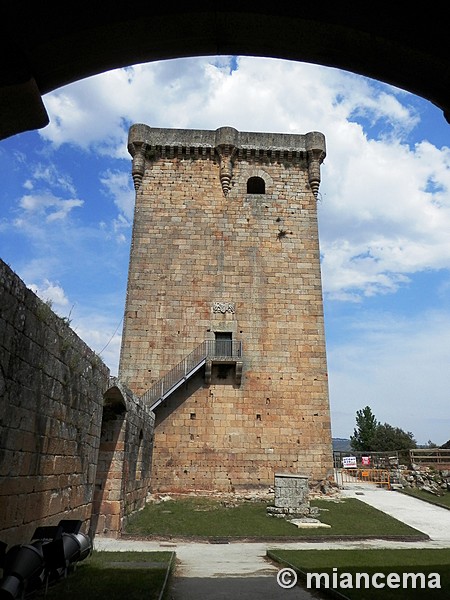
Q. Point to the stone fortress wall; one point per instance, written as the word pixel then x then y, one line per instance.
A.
pixel 58 409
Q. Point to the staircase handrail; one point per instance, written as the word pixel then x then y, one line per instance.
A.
pixel 208 349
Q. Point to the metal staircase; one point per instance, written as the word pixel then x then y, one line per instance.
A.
pixel 207 353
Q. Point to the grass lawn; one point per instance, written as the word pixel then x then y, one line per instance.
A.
pixel 443 500
pixel 385 561
pixel 202 517
pixel 115 576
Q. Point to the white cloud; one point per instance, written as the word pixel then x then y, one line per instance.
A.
pixel 51 292
pixel 384 214
pixel 50 175
pixel 48 205
pixel 119 186
pixel 397 366
pixel 99 330
pixel 380 222
pixel 102 332
pixel 83 114
pixel 386 207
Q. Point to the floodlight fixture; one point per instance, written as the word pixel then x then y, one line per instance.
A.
pixel 23 570
pixel 52 552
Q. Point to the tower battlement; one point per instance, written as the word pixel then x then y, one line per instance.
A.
pixel 146 142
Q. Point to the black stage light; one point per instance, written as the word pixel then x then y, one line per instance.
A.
pixel 3 547
pixel 46 532
pixel 53 551
pixel 23 570
pixel 70 525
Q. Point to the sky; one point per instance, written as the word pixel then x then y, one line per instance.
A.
pixel 66 211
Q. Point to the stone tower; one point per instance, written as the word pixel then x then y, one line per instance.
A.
pixel 223 330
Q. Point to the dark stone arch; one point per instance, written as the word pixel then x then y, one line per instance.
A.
pixel 107 506
pixel 114 403
pixel 124 459
pixel 42 49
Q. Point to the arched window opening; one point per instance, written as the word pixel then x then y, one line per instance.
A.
pixel 256 185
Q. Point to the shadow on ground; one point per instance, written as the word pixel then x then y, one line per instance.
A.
pixel 232 588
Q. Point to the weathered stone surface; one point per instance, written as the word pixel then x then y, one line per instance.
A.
pixel 200 240
pixel 51 389
pixel 291 497
pixel 434 482
pixel 56 459
pixel 309 523
pixel 291 491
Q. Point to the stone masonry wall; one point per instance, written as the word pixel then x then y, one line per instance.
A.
pixel 74 443
pixel 124 462
pixel 193 247
pixel 51 399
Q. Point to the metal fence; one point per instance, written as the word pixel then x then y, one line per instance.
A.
pixel 357 476
pixel 372 460
pixel 220 350
pixel 223 349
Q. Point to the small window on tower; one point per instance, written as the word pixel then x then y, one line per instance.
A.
pixel 256 185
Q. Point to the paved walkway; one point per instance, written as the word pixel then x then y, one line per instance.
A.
pixel 425 517
pixel 207 571
pixel 241 570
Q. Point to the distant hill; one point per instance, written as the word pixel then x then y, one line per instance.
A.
pixel 341 444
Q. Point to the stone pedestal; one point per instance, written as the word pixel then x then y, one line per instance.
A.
pixel 291 496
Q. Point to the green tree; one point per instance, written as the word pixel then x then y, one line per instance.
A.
pixel 366 426
pixel 372 436
pixel 388 438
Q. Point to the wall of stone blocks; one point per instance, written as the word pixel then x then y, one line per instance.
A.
pixel 55 398
pixel 51 389
pixel 193 246
pixel 124 461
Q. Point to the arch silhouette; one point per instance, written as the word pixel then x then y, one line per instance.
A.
pixel 44 48
pixel 256 185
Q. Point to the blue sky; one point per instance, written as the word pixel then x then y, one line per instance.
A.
pixel 384 214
